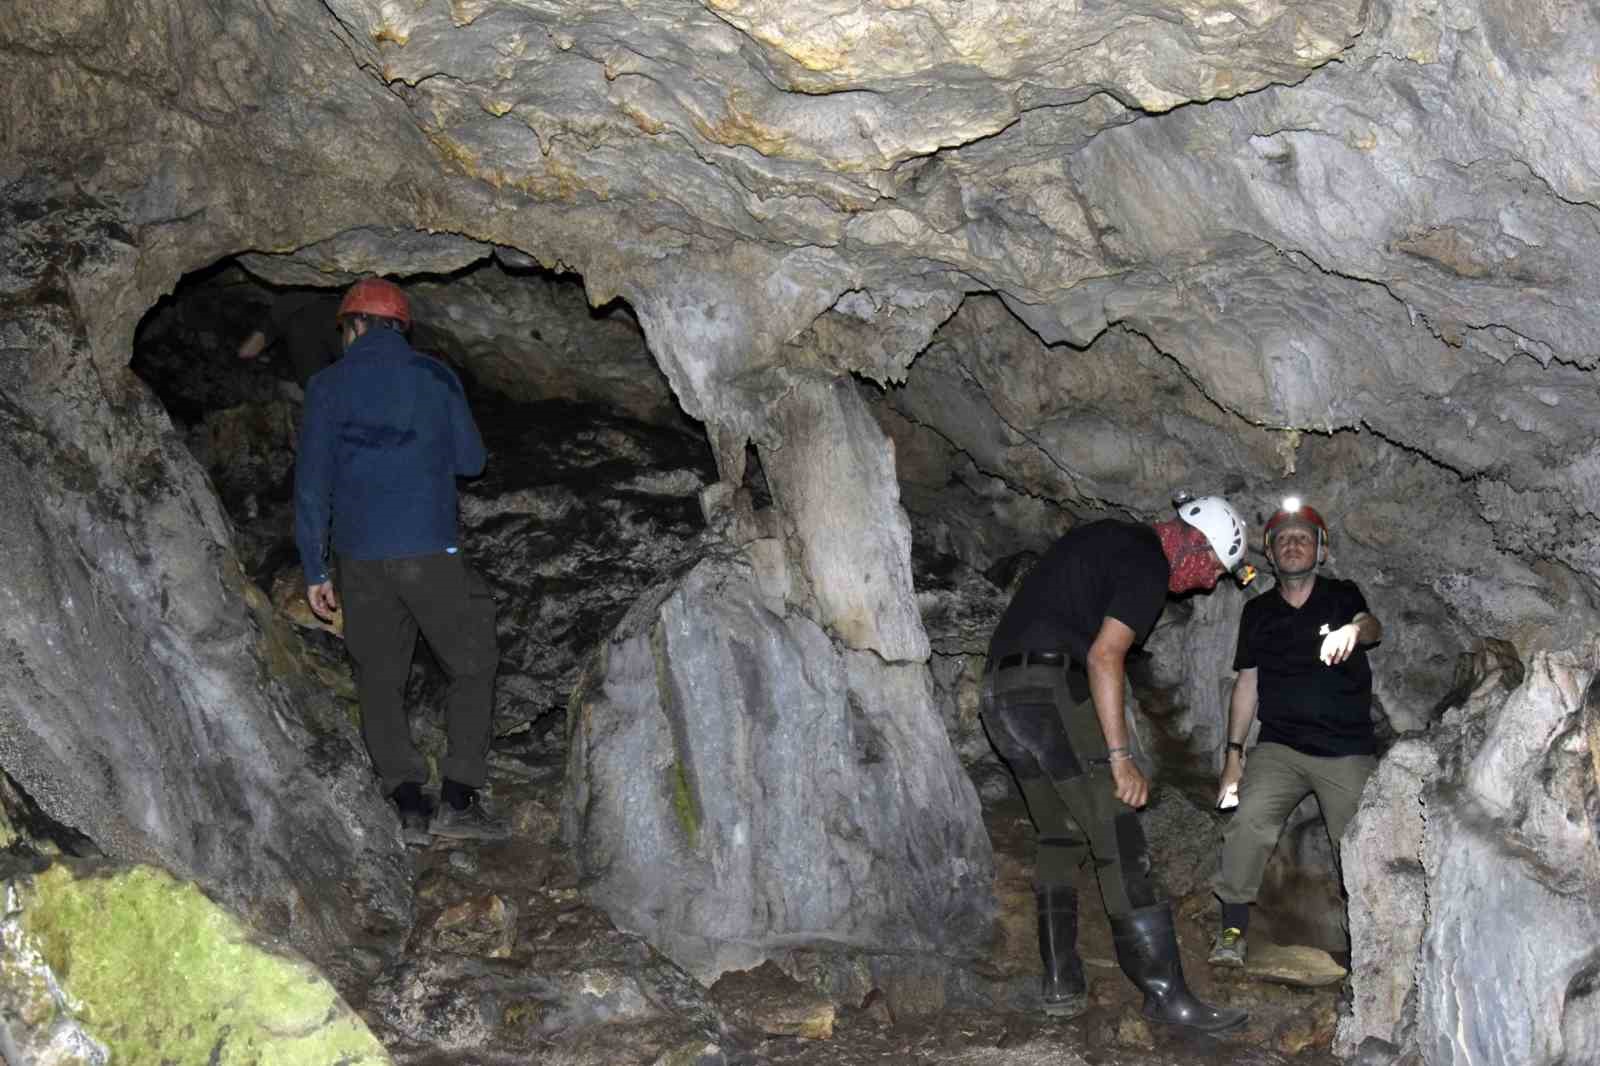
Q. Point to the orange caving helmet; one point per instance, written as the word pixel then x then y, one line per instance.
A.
pixel 377 297
pixel 1293 512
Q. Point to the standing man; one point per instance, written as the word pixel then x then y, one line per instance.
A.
pixel 1054 710
pixel 1302 666
pixel 387 431
pixel 302 326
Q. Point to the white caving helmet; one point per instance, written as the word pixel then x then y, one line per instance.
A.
pixel 1223 528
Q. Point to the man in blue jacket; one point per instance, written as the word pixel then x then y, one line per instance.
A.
pixel 387 431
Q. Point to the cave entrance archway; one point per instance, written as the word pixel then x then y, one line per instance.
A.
pixel 590 494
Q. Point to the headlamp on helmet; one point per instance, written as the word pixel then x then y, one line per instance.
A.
pixel 1295 512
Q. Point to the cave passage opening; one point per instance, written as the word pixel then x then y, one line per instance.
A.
pixel 590 494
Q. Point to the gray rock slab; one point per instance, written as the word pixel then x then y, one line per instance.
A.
pixel 737 784
pixel 833 478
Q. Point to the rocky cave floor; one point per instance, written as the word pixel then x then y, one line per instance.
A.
pixel 505 962
pixel 503 943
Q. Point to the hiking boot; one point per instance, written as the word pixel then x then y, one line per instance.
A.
pixel 471 822
pixel 415 809
pixel 1227 949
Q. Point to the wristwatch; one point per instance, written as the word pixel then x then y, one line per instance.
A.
pixel 1234 745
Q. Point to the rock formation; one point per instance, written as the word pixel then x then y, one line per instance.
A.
pixel 1067 257
pixel 738 785
pixel 1472 866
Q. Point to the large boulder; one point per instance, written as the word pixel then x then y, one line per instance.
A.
pixel 739 784
pixel 1473 873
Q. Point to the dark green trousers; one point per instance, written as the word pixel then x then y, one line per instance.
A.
pixel 1052 742
pixel 386 602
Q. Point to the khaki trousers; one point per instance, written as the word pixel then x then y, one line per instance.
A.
pixel 1276 779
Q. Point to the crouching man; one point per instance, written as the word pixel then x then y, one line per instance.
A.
pixel 1053 707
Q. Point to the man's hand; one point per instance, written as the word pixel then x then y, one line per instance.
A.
pixel 1337 645
pixel 1232 773
pixel 253 345
pixel 324 604
pixel 1132 788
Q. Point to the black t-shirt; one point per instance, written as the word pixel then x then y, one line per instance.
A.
pixel 1103 569
pixel 1315 709
pixel 303 326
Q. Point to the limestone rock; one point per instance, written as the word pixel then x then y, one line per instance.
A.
pixel 139 710
pixel 569 524
pixel 736 784
pixel 833 477
pixel 1292 964
pixel 1487 829
pixel 486 926
pixel 769 1001
pixel 126 964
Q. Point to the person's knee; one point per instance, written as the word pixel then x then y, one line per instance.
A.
pixel 384 676
pixel 475 669
pixel 1257 829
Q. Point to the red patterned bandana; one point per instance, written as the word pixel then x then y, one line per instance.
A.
pixel 1194 565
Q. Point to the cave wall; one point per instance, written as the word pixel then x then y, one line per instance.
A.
pixel 1344 247
pixel 145 703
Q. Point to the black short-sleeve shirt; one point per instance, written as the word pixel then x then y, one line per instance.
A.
pixel 1103 569
pixel 1315 709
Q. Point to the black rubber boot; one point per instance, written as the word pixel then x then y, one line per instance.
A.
pixel 1147 949
pixel 1064 992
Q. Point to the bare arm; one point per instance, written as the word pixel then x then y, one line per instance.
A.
pixel 1241 712
pixel 1107 679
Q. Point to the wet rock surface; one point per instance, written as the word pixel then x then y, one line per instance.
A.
pixel 1341 248
pixel 578 512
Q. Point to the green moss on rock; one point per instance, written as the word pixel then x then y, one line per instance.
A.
pixel 161 974
pixel 683 803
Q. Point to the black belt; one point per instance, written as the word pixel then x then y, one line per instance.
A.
pixel 1030 658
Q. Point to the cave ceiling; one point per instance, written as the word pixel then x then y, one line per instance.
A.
pixel 1350 242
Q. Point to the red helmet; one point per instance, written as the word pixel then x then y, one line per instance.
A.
pixel 375 296
pixel 1294 511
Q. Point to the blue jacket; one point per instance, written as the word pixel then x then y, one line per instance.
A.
pixel 386 433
